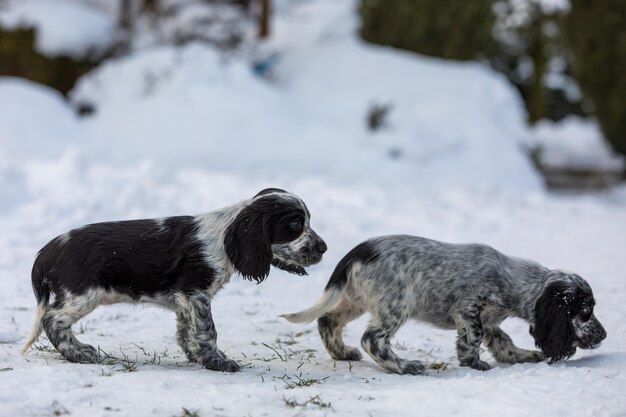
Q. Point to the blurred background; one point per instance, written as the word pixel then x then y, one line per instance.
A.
pixel 495 121
pixel 266 85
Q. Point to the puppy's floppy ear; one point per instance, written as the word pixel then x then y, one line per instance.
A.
pixel 248 243
pixel 553 330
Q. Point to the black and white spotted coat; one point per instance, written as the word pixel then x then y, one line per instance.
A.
pixel 468 287
pixel 178 263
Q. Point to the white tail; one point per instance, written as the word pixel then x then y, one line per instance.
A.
pixel 329 298
pixel 37 327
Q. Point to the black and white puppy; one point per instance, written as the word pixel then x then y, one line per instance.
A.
pixel 471 287
pixel 175 262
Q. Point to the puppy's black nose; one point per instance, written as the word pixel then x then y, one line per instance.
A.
pixel 321 246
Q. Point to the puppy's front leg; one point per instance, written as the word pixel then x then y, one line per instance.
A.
pixel 197 335
pixel 469 338
pixel 503 350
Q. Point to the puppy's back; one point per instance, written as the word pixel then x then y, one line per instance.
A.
pixel 134 258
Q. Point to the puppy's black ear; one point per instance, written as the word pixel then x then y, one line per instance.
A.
pixel 248 243
pixel 553 329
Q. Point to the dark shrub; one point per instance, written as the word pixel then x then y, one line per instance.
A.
pixel 596 34
pixel 18 58
pixel 447 29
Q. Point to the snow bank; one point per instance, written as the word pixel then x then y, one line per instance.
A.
pixel 63 27
pixel 35 119
pixel 451 124
pixel 446 120
pixel 35 123
pixel 574 143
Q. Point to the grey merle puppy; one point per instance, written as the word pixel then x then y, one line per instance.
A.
pixel 468 287
pixel 175 262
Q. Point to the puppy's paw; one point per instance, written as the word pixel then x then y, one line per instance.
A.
pixel 413 368
pixel 534 356
pixel 349 354
pixel 82 354
pixel 216 363
pixel 480 365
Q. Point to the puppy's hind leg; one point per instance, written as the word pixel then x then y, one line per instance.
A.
pixel 469 338
pixel 57 323
pixel 182 333
pixel 331 325
pixel 376 341
pixel 197 334
pixel 503 350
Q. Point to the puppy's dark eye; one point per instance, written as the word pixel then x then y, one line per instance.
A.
pixel 585 313
pixel 295 225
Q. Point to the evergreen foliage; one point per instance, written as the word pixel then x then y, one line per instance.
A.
pixel 448 29
pixel 596 34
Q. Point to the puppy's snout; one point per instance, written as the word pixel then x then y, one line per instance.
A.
pixel 321 246
pixel 602 332
pixel 595 335
pixel 597 329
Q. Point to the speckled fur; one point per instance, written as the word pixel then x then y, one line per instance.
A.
pixel 468 287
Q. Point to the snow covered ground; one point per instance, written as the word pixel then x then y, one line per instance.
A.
pixel 187 130
pixel 581 234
